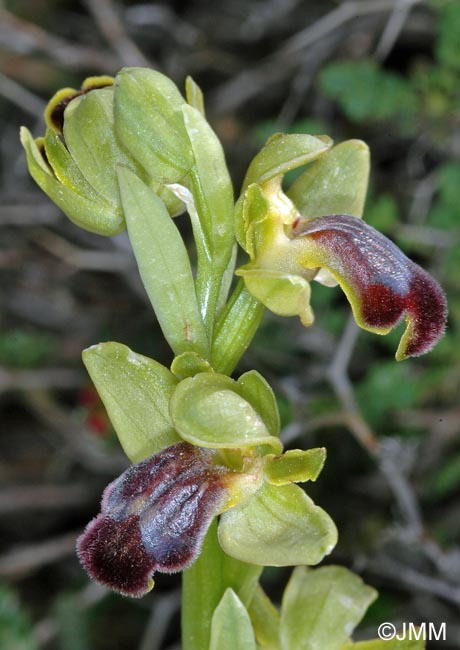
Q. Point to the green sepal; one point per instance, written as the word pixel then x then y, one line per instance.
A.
pixel 99 217
pixel 334 184
pixel 393 644
pixel 294 466
pixel 321 608
pixel 189 364
pixel 210 410
pixel 260 395
pixel 231 627
pixel 283 152
pixel 282 293
pixel 65 168
pixel 149 123
pixel 277 526
pixel 194 94
pixel 135 391
pixel 164 266
pixel 90 138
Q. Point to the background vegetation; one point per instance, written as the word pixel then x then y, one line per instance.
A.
pixel 385 71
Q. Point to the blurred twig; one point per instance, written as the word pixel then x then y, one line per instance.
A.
pixel 22 37
pixel 24 560
pixel 393 28
pixel 247 84
pixel 20 96
pixel 20 498
pixel 110 24
pixel 25 380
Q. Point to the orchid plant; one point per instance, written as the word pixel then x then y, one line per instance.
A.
pixel 211 491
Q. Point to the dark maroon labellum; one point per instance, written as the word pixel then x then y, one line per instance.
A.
pixel 380 281
pixel 153 518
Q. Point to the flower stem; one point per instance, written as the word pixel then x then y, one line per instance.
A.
pixel 204 584
pixel 202 589
pixel 236 328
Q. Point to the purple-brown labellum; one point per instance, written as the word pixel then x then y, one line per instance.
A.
pixel 54 113
pixel 153 518
pixel 381 283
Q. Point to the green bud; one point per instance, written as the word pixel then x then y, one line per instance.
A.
pixel 76 162
pixel 150 124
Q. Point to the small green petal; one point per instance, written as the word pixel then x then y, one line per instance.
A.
pixel 251 209
pixel 259 394
pixel 231 627
pixel 283 152
pixel 278 526
pixel 209 410
pixel 321 608
pixel 294 466
pixel 189 364
pixel 135 391
pixel 334 184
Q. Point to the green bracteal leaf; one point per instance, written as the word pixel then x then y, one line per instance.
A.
pixel 135 391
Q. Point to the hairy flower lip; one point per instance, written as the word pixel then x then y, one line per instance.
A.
pixel 381 283
pixel 154 517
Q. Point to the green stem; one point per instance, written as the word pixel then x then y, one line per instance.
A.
pixel 204 584
pixel 202 589
pixel 236 328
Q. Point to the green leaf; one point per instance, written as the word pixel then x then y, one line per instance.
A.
pixel 260 395
pixel 135 391
pixel 322 607
pixel 213 199
pixel 294 466
pixel 366 92
pixel 278 526
pixel 448 45
pixel 283 152
pixel 379 644
pixel 100 216
pixel 164 266
pixel 149 123
pixel 335 184
pixel 212 186
pixel 231 627
pixel 210 410
pixel 265 620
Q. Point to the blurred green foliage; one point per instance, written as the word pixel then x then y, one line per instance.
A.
pixel 20 348
pixel 15 628
pixel 425 99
